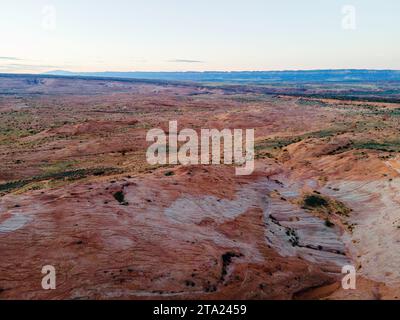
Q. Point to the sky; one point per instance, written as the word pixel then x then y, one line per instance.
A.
pixel 198 35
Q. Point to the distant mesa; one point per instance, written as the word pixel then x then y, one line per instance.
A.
pixel 342 75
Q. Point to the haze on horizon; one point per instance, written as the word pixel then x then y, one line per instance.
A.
pixel 177 35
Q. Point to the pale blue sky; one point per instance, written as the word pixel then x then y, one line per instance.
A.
pixel 178 35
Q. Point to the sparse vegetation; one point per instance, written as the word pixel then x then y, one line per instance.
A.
pixel 329 224
pixel 293 237
pixel 388 146
pixel 66 176
pixel 315 201
pixel 120 197
pixel 325 205
pixel 279 143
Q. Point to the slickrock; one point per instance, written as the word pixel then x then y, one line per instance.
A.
pixel 165 240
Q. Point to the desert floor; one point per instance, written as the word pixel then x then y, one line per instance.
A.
pixel 325 193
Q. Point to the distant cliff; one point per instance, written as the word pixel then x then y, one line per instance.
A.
pixel 349 75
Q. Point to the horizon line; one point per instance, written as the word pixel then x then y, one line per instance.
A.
pixel 254 70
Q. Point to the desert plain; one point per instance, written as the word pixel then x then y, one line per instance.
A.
pixel 77 193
